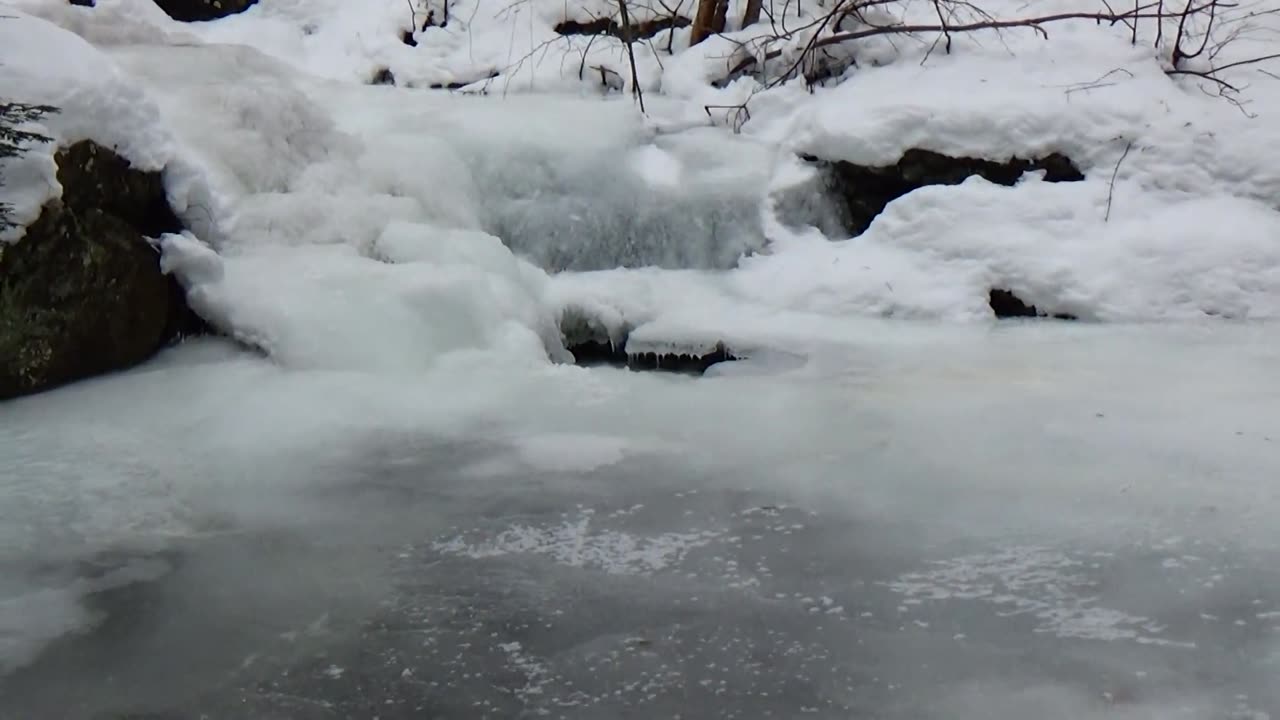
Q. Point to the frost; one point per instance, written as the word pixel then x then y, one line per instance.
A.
pixel 1043 583
pixel 576 544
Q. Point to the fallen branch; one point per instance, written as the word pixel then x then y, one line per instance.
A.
pixel 608 26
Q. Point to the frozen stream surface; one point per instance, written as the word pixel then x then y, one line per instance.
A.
pixel 1030 521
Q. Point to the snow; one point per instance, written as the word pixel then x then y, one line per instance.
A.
pixel 1181 233
pixel 46 65
pixel 400 259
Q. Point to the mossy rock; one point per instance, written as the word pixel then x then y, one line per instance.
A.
pixel 82 292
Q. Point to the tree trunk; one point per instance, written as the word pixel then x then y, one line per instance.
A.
pixel 722 12
pixel 709 20
pixel 752 14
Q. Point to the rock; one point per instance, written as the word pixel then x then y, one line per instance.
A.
pixel 594 353
pixel 199 10
pixel 590 353
pixel 592 345
pixel 82 292
pixel 864 191
pixel 95 177
pixel 383 76
pixel 1007 305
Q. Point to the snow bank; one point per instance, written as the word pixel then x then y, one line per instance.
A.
pixel 110 22
pixel 1182 233
pixel 316 188
pixel 1187 229
pixel 45 65
pixel 1182 142
pixel 936 253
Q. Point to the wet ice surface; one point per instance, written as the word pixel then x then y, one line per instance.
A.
pixel 1067 524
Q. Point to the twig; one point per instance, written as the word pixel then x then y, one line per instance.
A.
pixel 740 117
pixel 1228 66
pixel 631 53
pixel 1159 25
pixel 1093 84
pixel 942 20
pixel 1114 172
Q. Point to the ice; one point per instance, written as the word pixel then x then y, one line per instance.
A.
pixel 595 205
pixel 576 545
pixel 572 453
pixel 565 453
pixel 222 444
pixel 32 619
pixel 335 309
pixel 389 266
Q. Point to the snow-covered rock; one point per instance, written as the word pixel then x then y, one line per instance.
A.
pixel 83 293
pixel 81 288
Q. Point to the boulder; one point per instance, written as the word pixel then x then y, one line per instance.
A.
pixel 82 292
pixel 200 10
